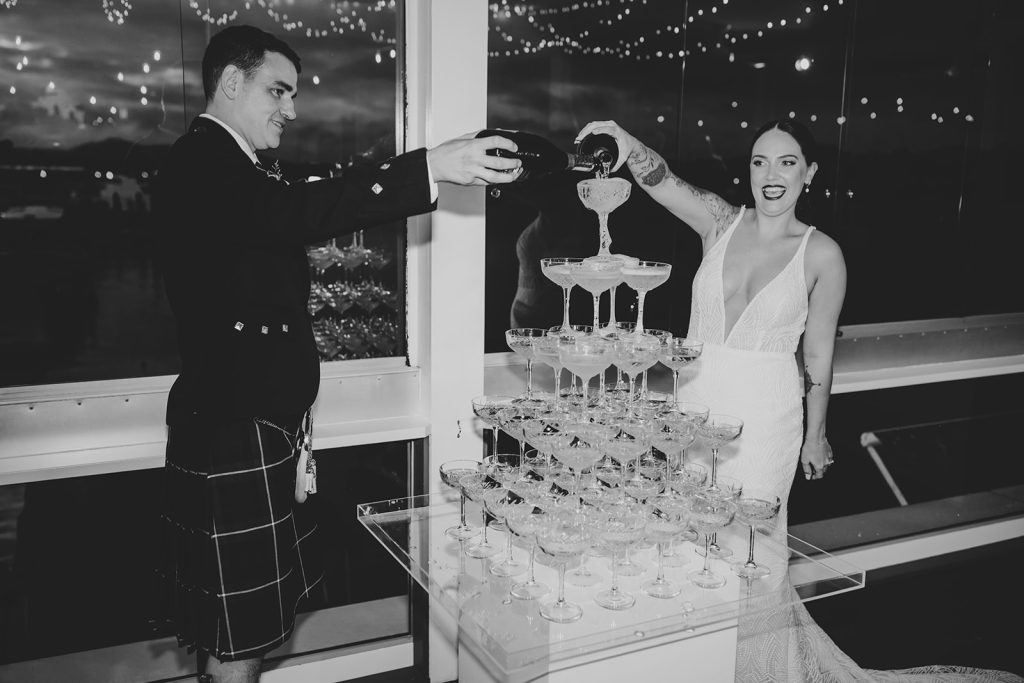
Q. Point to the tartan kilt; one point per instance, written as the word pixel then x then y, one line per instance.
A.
pixel 241 552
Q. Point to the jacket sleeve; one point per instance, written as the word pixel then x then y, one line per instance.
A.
pixel 242 203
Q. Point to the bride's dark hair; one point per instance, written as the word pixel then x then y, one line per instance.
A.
pixel 799 131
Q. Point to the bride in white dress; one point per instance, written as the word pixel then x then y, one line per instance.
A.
pixel 768 284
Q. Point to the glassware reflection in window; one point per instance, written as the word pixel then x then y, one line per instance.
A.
pixel 91 97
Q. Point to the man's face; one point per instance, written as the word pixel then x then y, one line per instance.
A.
pixel 266 102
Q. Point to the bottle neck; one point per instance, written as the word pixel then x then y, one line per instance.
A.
pixel 582 162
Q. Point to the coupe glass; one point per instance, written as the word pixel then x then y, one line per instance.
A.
pixel 717 431
pixel 602 196
pixel 642 429
pixel 643 277
pixel 755 508
pixel 563 538
pixel 487 408
pixel 730 489
pixel 476 486
pixel 596 277
pixel 499 504
pixel 559 271
pixel 451 472
pixel 673 442
pixel 585 357
pixel 521 340
pixel 546 349
pixel 571 333
pixel 690 412
pixel 621 529
pixel 633 355
pixel 526 521
pixel 709 512
pixel 592 518
pixel 503 468
pixel 546 433
pixel 686 480
pixel 578 456
pixel 612 326
pixel 663 528
pixel 625 448
pixel 512 419
pixel 676 354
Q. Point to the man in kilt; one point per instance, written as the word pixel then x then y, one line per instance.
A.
pixel 241 550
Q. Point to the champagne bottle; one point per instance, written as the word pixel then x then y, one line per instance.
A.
pixel 594 153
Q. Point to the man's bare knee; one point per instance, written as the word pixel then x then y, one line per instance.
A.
pixel 239 671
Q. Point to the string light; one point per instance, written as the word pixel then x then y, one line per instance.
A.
pixel 117 10
pixel 351 17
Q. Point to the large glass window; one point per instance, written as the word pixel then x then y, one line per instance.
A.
pixel 91 97
pixel 78 561
pixel 909 104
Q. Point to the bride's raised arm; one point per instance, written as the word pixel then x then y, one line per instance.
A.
pixel 704 211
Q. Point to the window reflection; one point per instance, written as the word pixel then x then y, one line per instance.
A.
pixel 78 562
pixel 91 97
pixel 901 99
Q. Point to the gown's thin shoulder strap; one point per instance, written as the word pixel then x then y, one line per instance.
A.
pixel 802 250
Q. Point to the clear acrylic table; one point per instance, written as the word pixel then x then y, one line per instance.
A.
pixel 501 638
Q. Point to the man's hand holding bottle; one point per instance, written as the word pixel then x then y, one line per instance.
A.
pixel 465 161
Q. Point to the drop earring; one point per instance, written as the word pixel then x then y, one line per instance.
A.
pixel 807 187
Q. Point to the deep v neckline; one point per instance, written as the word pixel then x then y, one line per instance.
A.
pixel 725 250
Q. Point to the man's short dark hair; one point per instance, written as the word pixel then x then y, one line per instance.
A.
pixel 244 47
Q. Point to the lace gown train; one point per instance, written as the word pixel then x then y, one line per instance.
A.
pixel 750 371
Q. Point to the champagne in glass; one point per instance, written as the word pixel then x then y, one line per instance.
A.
pixel 643 277
pixel 559 271
pixel 602 196
pixel 572 332
pixel 596 277
pixel 612 326
pixel 585 357
pixel 634 354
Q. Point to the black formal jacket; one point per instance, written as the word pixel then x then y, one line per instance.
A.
pixel 231 244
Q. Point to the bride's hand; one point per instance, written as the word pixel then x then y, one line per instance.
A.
pixel 815 458
pixel 626 142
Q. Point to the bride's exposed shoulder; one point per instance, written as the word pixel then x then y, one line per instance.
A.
pixel 823 250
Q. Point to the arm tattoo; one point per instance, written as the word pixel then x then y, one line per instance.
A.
pixel 722 212
pixel 809 382
pixel 648 167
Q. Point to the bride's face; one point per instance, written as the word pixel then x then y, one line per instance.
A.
pixel 778 172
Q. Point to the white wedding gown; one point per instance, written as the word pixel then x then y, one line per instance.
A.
pixel 750 372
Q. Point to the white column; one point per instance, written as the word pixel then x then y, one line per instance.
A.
pixel 447 97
